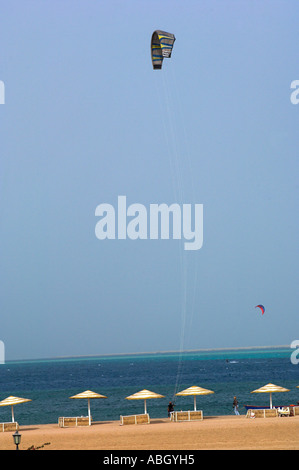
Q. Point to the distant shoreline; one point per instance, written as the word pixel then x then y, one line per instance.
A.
pixel 150 353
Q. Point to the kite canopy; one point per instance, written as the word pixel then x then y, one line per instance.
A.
pixel 261 307
pixel 161 47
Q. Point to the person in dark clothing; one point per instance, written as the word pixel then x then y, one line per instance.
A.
pixel 235 406
pixel 170 408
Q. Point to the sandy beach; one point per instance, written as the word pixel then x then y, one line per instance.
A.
pixel 213 433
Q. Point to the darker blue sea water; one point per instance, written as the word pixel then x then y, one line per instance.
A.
pixel 50 383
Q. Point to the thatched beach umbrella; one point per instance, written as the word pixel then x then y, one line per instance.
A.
pixel 144 395
pixel 270 388
pixel 89 395
pixel 11 401
pixel 194 391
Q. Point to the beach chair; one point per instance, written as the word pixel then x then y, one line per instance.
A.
pixel 285 411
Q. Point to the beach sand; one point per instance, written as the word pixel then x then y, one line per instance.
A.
pixel 212 433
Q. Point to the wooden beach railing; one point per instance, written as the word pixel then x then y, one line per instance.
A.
pixel 11 426
pixel 135 419
pixel 186 416
pixel 70 422
pixel 294 410
pixel 262 413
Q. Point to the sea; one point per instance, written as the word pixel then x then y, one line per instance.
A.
pixel 237 372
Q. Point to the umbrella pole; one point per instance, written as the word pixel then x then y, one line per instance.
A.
pixel 12 415
pixel 194 402
pixel 89 417
pixel 271 400
pixel 145 407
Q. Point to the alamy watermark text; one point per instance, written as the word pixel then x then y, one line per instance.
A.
pixel 2 92
pixel 160 221
pixel 2 352
pixel 295 354
pixel 295 94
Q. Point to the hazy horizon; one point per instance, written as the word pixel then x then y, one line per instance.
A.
pixel 148 353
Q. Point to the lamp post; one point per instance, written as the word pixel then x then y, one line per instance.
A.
pixel 17 439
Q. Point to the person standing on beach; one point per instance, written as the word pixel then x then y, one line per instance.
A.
pixel 235 406
pixel 170 408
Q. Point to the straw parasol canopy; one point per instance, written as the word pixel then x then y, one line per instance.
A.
pixel 89 395
pixel 144 395
pixel 11 401
pixel 270 388
pixel 194 391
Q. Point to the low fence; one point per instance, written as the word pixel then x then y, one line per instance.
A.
pixel 186 416
pixel 135 419
pixel 11 426
pixel 262 413
pixel 71 422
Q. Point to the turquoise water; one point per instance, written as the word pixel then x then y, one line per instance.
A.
pixel 50 383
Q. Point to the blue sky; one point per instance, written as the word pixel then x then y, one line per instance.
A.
pixel 86 119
